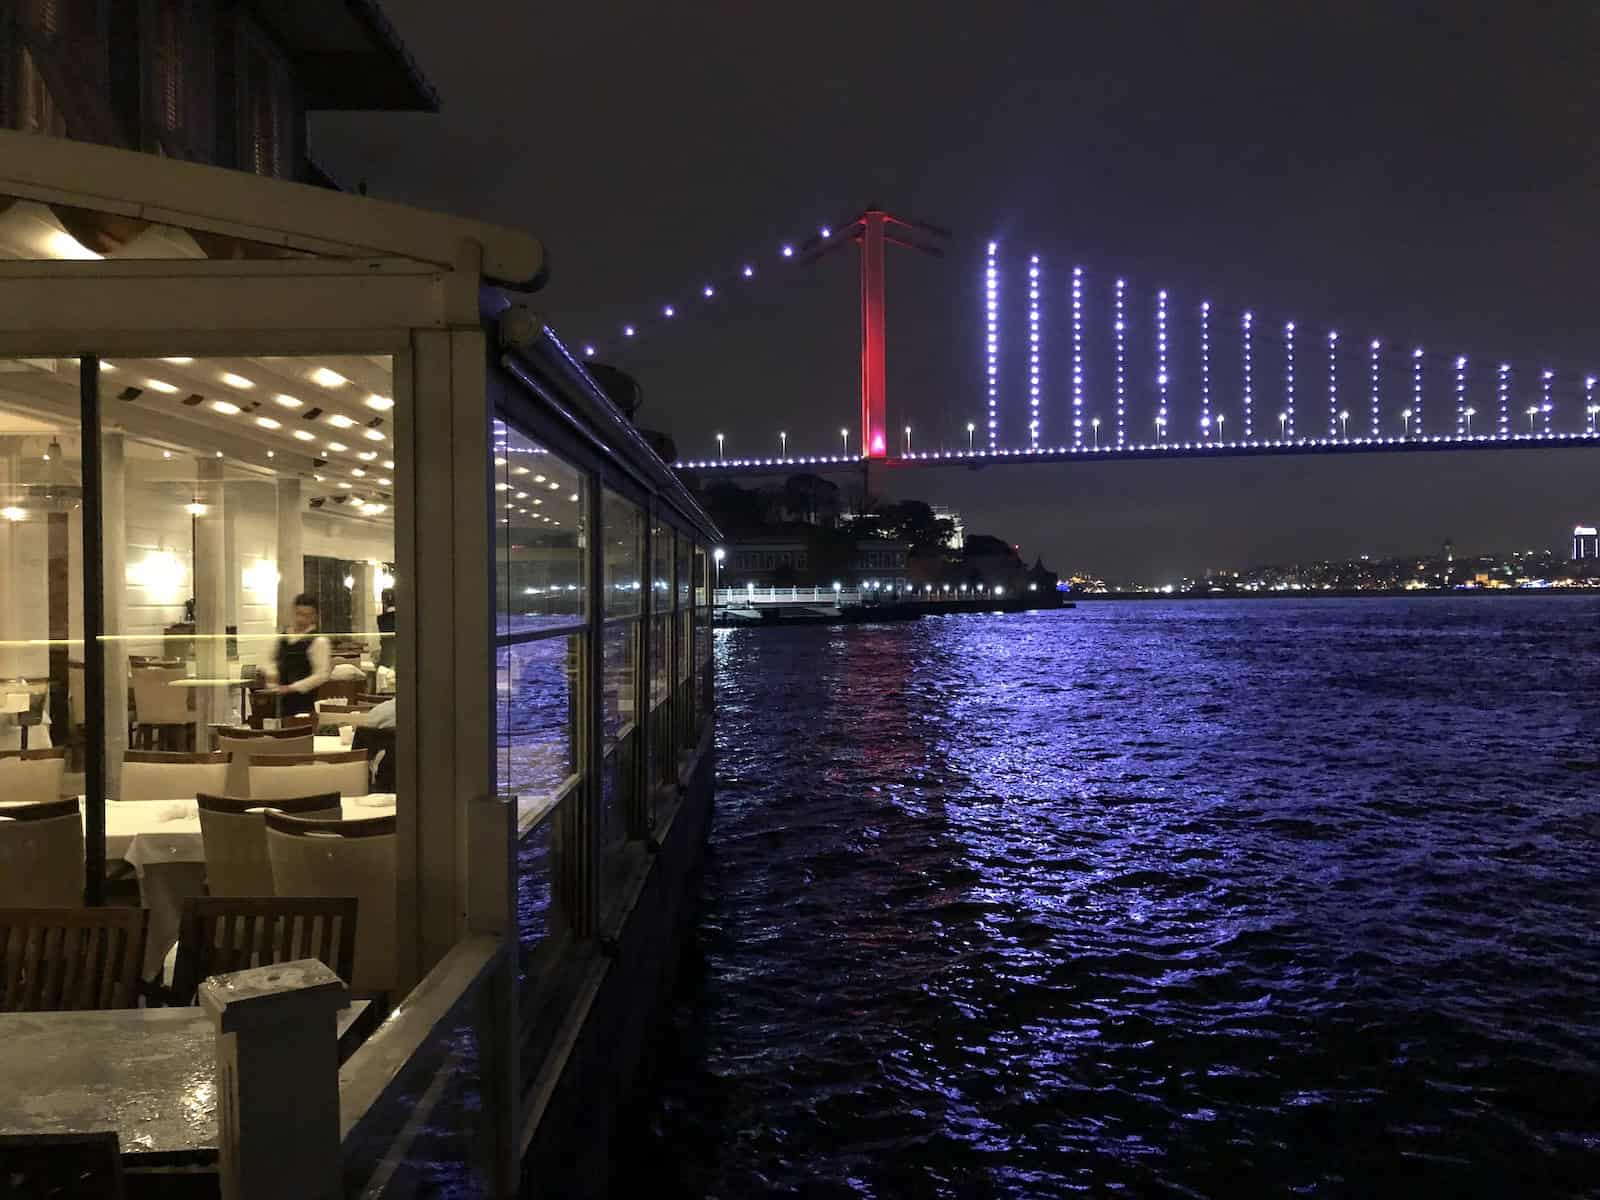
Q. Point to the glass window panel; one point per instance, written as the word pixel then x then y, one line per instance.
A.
pixel 661 551
pixel 621 680
pixel 41 590
pixel 541 716
pixel 685 569
pixel 624 556
pixel 541 507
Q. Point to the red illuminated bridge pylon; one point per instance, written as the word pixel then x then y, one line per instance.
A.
pixel 872 229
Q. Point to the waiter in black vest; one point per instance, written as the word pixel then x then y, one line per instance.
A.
pixel 304 660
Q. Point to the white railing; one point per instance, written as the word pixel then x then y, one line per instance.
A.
pixel 758 597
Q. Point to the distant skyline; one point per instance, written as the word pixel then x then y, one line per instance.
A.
pixel 1421 173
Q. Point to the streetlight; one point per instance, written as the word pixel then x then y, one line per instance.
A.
pixel 783 443
pixel 970 429
pixel 1094 424
pixel 1533 412
pixel 1405 416
pixel 845 434
pixel 717 556
pixel 1220 420
pixel 1469 414
pixel 719 447
pixel 908 442
pixel 1344 424
pixel 1283 425
pixel 1161 424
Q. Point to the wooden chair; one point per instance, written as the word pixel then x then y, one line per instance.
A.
pixel 32 776
pixel 234 834
pixel 248 744
pixel 302 774
pixel 159 775
pixel 41 855
pixel 162 712
pixel 342 689
pixel 70 959
pixel 233 934
pixel 61 1166
pixel 344 858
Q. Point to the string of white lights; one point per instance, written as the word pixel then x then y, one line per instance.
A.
pixel 1461 395
pixel 1590 409
pixel 1288 379
pixel 1416 388
pixel 1161 363
pixel 1033 351
pixel 1546 404
pixel 992 317
pixel 1333 383
pixel 1205 369
pixel 1377 422
pixel 1077 358
pixel 1505 399
pixel 1122 381
pixel 1247 352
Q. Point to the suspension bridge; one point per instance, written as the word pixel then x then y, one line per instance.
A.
pixel 1079 368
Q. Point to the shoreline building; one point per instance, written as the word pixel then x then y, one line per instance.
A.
pixel 1585 542
pixel 222 390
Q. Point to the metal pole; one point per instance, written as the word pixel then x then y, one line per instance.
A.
pixel 94 620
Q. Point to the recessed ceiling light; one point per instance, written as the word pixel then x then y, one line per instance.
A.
pixel 305 435
pixel 520 471
pixel 318 478
pixel 372 510
pixel 380 403
pixel 538 478
pixel 538 500
pixel 345 483
pixel 573 497
pixel 339 421
pixel 286 400
pixel 269 423
pixel 328 379
pixel 502 487
pixel 161 385
pixel 226 408
pixel 555 487
pixel 237 381
pixel 372 435
pixel 384 480
pixel 336 447
pixel 272 454
pixel 388 464
pixel 367 456
pixel 166 454
pixel 358 473
pixel 178 362
pixel 522 495
pixel 499 462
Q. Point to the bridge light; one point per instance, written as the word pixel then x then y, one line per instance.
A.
pixel 668 311
pixel 588 351
pixel 708 291
pixel 787 251
pixel 1461 395
pixel 1376 347
pixel 1205 367
pixel 1122 377
pixel 991 292
pixel 1033 351
pixel 1503 387
pixel 748 272
pixel 1247 354
pixel 627 331
pixel 1077 358
pixel 1416 388
pixel 1333 381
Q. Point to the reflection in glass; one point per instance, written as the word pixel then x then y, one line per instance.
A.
pixel 541 714
pixel 624 534
pixel 541 505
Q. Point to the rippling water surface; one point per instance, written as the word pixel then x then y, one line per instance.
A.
pixel 1204 899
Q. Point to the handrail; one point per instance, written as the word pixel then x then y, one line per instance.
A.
pixel 540 811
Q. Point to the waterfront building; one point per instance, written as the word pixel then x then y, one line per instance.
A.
pixel 1585 542
pixel 958 536
pixel 223 392
pixel 794 562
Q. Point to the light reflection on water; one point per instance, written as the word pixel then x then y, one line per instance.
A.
pixel 1208 899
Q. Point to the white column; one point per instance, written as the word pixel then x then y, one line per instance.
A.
pixel 291 548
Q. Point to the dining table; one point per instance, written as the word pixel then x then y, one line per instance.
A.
pixel 148 1073
pixel 161 841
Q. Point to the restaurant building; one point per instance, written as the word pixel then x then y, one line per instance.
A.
pixel 221 391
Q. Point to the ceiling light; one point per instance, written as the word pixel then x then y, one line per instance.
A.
pixel 336 447
pixel 328 379
pixel 379 403
pixel 522 495
pixel 286 400
pixel 160 385
pixel 367 455
pixel 499 462
pixel 237 381
pixel 384 480
pixel 224 407
pixel 372 435
pixel 388 464
pixel 339 421
pixel 345 483
pixel 520 471
pixel 538 478
pixel 573 497
pixel 166 454
pixel 195 509
pixel 178 362
pixel 12 513
pixel 269 423
pixel 554 486
pixel 372 510
pixel 305 435
pixel 272 454
pixel 358 473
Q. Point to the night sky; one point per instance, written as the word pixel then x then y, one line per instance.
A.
pixel 1423 173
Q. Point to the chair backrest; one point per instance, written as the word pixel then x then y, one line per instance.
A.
pixel 344 858
pixel 153 775
pixel 247 744
pixel 342 687
pixel 234 834
pixel 65 1165
pixel 41 855
pixel 379 747
pixel 299 775
pixel 70 959
pixel 221 935
pixel 156 701
pixel 32 776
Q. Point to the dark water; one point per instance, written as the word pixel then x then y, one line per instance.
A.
pixel 1205 899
